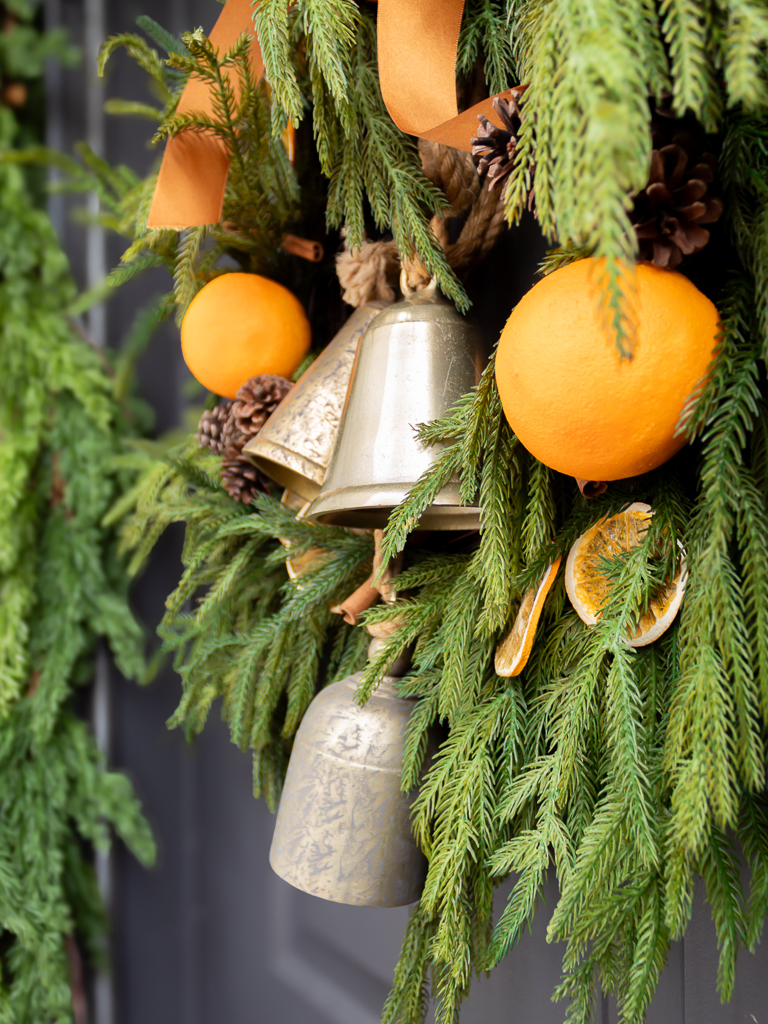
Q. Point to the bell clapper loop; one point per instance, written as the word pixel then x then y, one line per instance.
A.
pixel 427 292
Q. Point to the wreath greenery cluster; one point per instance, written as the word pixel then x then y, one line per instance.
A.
pixel 64 416
pixel 625 771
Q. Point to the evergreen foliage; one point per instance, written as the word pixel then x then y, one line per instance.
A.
pixel 62 597
pixel 257 640
pixel 24 50
pixel 625 772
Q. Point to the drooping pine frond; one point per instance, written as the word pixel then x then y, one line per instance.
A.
pixel 268 641
pixel 63 591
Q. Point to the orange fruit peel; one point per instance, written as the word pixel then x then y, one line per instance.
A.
pixel 239 326
pixel 514 650
pixel 296 566
pixel 589 588
pixel 569 396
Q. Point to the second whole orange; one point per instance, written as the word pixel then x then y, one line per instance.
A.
pixel 239 326
pixel 570 397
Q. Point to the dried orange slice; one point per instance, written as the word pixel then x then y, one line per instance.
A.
pixel 298 564
pixel 588 587
pixel 515 647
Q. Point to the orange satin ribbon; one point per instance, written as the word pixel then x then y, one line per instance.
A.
pixel 193 174
pixel 418 41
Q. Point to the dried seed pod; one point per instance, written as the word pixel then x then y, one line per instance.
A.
pixel 494 146
pixel 255 402
pixel 669 212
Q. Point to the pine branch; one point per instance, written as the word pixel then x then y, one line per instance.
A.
pixel 686 25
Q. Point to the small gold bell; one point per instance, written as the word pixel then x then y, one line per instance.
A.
pixel 343 830
pixel 294 445
pixel 414 360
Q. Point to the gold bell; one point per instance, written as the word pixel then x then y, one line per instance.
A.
pixel 415 359
pixel 343 825
pixel 294 445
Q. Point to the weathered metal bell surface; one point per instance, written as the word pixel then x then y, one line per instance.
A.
pixel 343 826
pixel 415 359
pixel 294 445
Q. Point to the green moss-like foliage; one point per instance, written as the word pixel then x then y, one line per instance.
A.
pixel 62 595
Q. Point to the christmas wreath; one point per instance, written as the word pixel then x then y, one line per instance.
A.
pixel 594 650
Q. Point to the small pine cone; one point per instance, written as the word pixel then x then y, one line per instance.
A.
pixel 241 479
pixel 668 214
pixel 255 402
pixel 495 146
pixel 214 430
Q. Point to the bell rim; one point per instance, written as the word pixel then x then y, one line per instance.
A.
pixel 347 898
pixel 370 506
pixel 288 468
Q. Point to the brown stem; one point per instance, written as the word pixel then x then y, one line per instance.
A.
pixel 353 606
pixel 303 247
pixel 76 981
pixel 58 484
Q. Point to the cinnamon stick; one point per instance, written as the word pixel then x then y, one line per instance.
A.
pixel 591 488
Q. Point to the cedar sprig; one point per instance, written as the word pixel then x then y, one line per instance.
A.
pixel 483 40
pixel 362 152
pixel 262 191
pixel 242 629
pixel 64 593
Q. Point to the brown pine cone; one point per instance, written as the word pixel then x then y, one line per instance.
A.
pixel 255 402
pixel 241 479
pixel 215 429
pixel 495 146
pixel 228 427
pixel 670 210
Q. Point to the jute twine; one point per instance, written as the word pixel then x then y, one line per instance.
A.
pixel 371 271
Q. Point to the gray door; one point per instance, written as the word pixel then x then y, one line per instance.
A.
pixel 213 936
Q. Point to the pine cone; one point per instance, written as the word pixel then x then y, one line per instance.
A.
pixel 216 429
pixel 495 146
pixel 228 427
pixel 255 402
pixel 670 210
pixel 241 479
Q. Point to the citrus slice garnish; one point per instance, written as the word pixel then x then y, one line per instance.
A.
pixel 515 647
pixel 297 564
pixel 300 563
pixel 589 588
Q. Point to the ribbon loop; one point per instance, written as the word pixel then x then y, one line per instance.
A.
pixel 417 44
pixel 193 174
pixel 417 48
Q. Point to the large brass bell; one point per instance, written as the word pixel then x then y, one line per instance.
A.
pixel 294 445
pixel 415 359
pixel 343 831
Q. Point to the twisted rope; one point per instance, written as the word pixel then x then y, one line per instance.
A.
pixel 371 271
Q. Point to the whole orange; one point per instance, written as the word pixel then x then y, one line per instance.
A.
pixel 242 325
pixel 568 394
